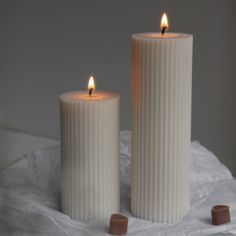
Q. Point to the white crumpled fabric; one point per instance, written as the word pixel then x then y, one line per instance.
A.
pixel 30 197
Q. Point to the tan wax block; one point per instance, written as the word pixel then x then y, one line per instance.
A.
pixel 220 214
pixel 118 224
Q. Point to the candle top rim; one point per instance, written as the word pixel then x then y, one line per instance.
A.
pixel 78 96
pixel 159 36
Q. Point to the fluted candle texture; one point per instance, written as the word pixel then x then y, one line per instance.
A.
pixel 161 125
pixel 90 154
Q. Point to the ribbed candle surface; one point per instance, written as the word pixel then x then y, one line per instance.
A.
pixel 90 154
pixel 161 125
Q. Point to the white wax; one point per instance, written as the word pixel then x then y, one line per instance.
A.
pixel 90 154
pixel 161 125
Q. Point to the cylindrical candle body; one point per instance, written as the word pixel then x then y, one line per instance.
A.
pixel 161 125
pixel 90 154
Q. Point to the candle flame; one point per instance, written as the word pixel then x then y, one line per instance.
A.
pixel 91 85
pixel 164 22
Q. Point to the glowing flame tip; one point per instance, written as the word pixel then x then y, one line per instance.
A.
pixel 91 85
pixel 164 22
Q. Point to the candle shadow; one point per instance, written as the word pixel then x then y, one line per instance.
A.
pixel 207 220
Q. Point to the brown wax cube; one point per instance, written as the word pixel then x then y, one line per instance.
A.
pixel 118 224
pixel 220 214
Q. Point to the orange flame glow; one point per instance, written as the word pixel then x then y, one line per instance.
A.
pixel 91 85
pixel 164 22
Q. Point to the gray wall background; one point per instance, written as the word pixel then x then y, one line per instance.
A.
pixel 50 47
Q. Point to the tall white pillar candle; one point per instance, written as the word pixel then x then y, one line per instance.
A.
pixel 161 125
pixel 90 154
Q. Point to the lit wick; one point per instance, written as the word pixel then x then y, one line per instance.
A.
pixel 164 24
pixel 91 85
pixel 163 30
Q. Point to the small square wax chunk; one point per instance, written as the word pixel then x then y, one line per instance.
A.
pixel 220 214
pixel 118 224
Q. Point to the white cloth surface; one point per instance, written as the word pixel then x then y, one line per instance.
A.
pixel 30 197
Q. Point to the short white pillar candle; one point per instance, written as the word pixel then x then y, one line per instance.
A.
pixel 90 154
